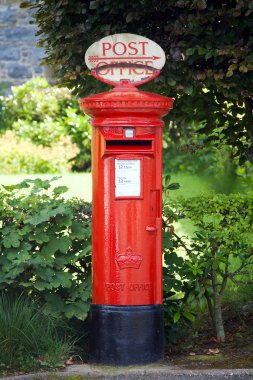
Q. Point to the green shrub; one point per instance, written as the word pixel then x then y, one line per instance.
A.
pixel 35 100
pixel 18 155
pixel 220 250
pixel 45 248
pixel 43 114
pixel 45 133
pixel 29 338
pixel 77 126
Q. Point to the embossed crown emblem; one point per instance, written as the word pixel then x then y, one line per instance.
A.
pixel 129 259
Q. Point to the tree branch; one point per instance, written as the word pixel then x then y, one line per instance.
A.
pixel 224 279
pixel 210 308
pixel 179 240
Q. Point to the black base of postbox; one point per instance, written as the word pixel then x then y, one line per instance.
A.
pixel 126 335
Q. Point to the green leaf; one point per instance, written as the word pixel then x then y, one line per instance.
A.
pixel 189 316
pixel 78 230
pixel 129 17
pixel 173 186
pixel 22 257
pixel 21 185
pixel 42 285
pixel 94 4
pixel 41 184
pixel 190 51
pixel 11 240
pixel 41 237
pixel 25 230
pixel 78 309
pixel 64 220
pixel 202 304
pixel 41 217
pixel 201 50
pixel 9 188
pixel 24 4
pixel 209 54
pixel 200 235
pixel 60 190
pixel 11 253
pixel 55 303
pixel 171 82
pixel 62 244
pixel 14 272
pixel 85 251
pixel 188 90
pixel 176 317
pixel 62 279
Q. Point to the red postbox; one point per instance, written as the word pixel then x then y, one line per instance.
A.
pixel 126 312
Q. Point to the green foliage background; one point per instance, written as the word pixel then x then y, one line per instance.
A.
pixel 208 45
pixel 44 115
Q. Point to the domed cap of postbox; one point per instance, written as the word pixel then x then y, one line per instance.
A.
pixel 126 105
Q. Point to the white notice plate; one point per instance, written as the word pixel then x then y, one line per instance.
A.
pixel 127 178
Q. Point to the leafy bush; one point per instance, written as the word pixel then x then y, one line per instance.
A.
pixel 220 251
pixel 45 248
pixel 29 338
pixel 78 127
pixel 46 133
pixel 43 114
pixel 34 100
pixel 189 154
pixel 18 155
pixel 177 313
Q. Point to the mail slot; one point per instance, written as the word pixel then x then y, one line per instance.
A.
pixel 129 143
pixel 125 145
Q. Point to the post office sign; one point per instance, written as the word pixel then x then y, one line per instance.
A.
pixel 128 56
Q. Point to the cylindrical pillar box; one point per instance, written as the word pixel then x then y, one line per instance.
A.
pixel 126 312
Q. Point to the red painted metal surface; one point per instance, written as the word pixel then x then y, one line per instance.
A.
pixel 126 223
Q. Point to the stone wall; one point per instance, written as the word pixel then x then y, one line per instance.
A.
pixel 19 56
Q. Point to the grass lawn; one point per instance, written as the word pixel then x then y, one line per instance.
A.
pixel 79 184
pixel 191 185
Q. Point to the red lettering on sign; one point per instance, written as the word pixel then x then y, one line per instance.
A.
pixel 114 287
pixel 149 63
pixel 143 43
pixel 106 46
pixel 140 287
pixel 139 71
pixel 121 49
pixel 130 45
pixel 103 72
pixel 125 70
